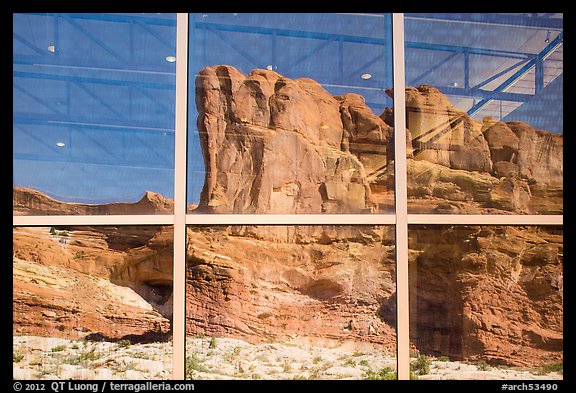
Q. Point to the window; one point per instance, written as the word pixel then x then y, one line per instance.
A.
pixel 232 188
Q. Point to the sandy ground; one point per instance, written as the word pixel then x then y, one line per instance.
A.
pixel 225 358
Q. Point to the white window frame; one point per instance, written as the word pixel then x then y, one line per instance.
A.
pixel 180 219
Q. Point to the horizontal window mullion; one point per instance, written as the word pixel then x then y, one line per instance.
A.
pixel 290 219
pixel 479 219
pixel 164 219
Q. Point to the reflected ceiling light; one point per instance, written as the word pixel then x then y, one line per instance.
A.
pixel 454 84
pixel 51 48
pixel 366 76
pixel 269 67
pixel 60 144
pixel 170 59
pixel 547 40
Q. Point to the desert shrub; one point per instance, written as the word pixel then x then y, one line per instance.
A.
pixel 17 356
pixel 124 343
pixel 443 359
pixel 551 368
pixel 58 348
pixel 421 366
pixel 385 373
pixel 193 364
pixel 286 366
pixel 212 343
pixel 482 365
pixel 84 357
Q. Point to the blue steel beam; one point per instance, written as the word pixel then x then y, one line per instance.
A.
pixel 37 139
pixel 356 39
pixel 521 21
pixel 38 100
pixel 245 55
pixel 145 164
pixel 29 44
pixel 499 74
pixel 112 18
pixel 433 68
pixel 95 39
pixel 307 55
pixel 101 81
pixel 54 121
pixel 551 47
pixel 91 64
pixel 153 33
pixel 486 94
pixel 357 71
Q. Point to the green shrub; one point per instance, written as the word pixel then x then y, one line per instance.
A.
pixel 74 346
pixel 193 363
pixel 212 343
pixel 443 359
pixel 58 348
pixel 552 368
pixel 17 356
pixel 482 365
pixel 124 343
pixel 421 366
pixel 386 373
pixel 286 366
pixel 317 360
pixel 84 357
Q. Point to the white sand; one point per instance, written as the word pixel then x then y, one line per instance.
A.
pixel 226 358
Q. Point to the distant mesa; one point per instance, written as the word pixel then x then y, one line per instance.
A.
pixel 27 201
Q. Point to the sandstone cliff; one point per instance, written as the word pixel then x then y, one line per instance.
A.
pixel 276 145
pixel 102 282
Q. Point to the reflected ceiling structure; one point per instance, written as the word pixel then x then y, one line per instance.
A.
pixel 88 88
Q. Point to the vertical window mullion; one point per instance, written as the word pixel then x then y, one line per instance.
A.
pixel 180 151
pixel 400 197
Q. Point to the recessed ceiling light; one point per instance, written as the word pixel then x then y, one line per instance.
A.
pixel 51 48
pixel 170 59
pixel 269 67
pixel 366 76
pixel 60 144
pixel 454 84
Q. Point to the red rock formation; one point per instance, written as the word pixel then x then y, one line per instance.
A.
pixel 112 282
pixel 27 201
pixel 317 282
pixel 273 145
pixel 492 293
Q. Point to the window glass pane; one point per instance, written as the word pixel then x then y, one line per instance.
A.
pixel 92 302
pixel 484 110
pixel 290 302
pixel 486 302
pixel 93 114
pixel 289 113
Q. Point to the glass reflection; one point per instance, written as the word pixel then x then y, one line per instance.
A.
pixel 486 302
pixel 287 113
pixel 290 302
pixel 92 302
pixel 93 114
pixel 484 103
